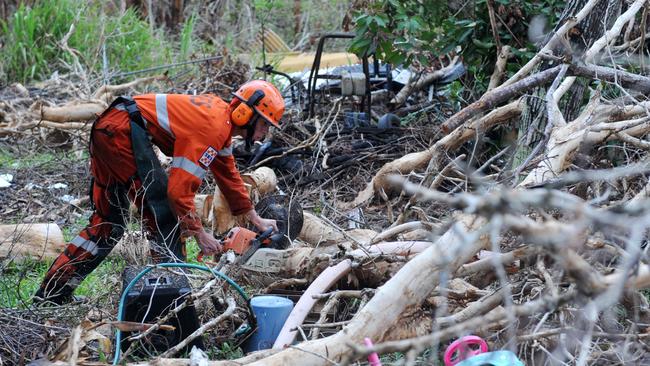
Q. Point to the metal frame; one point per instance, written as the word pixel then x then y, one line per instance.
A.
pixel 314 74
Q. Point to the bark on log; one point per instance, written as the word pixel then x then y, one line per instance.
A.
pixel 497 96
pixel 317 232
pixel 72 113
pixel 38 241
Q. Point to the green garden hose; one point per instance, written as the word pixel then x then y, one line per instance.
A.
pixel 120 309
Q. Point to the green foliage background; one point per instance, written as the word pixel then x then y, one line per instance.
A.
pixel 32 39
pixel 417 31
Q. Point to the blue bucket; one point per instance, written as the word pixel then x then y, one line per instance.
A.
pixel 271 312
pixel 496 358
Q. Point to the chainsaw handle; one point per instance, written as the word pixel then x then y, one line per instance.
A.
pixel 266 234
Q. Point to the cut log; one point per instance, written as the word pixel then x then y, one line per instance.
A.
pixel 317 232
pixel 262 180
pixel 258 183
pixel 408 288
pixel 203 204
pixel 71 113
pixel 330 276
pixel 222 218
pixel 39 241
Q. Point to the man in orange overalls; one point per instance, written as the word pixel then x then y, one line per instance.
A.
pixel 196 131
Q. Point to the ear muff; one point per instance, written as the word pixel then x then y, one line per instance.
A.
pixel 241 115
pixel 244 111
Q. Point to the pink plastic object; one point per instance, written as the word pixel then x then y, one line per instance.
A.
pixel 462 349
pixel 373 358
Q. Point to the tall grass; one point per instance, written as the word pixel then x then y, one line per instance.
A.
pixel 186 44
pixel 32 37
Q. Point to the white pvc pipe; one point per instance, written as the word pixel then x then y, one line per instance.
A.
pixel 329 277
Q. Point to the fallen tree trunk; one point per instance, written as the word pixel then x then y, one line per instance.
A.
pixel 72 112
pixel 37 241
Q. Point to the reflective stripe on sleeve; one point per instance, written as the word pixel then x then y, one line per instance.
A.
pixel 189 166
pixel 161 113
pixel 88 245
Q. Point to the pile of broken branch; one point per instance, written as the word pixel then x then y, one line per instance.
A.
pixel 544 253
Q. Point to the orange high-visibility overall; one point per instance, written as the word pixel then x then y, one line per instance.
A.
pixel 195 131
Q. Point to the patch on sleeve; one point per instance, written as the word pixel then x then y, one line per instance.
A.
pixel 207 157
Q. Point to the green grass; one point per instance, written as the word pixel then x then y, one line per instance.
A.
pixel 32 39
pixel 44 159
pixel 20 280
pixel 192 250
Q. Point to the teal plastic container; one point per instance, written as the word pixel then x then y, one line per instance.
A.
pixel 271 312
pixel 496 358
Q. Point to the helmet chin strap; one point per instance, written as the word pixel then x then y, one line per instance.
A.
pixel 250 131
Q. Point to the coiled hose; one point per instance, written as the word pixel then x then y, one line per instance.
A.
pixel 120 309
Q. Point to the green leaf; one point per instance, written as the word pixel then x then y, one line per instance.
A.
pixel 481 44
pixel 381 21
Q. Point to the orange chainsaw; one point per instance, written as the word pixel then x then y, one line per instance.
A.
pixel 244 242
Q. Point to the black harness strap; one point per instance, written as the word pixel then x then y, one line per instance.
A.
pixel 154 182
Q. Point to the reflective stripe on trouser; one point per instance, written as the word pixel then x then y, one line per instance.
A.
pixel 112 167
pixel 88 249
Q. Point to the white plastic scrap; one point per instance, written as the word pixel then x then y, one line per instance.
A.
pixel 5 180
pixel 58 186
pixel 198 357
pixel 66 198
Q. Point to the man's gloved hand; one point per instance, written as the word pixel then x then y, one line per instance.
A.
pixel 208 244
pixel 260 223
